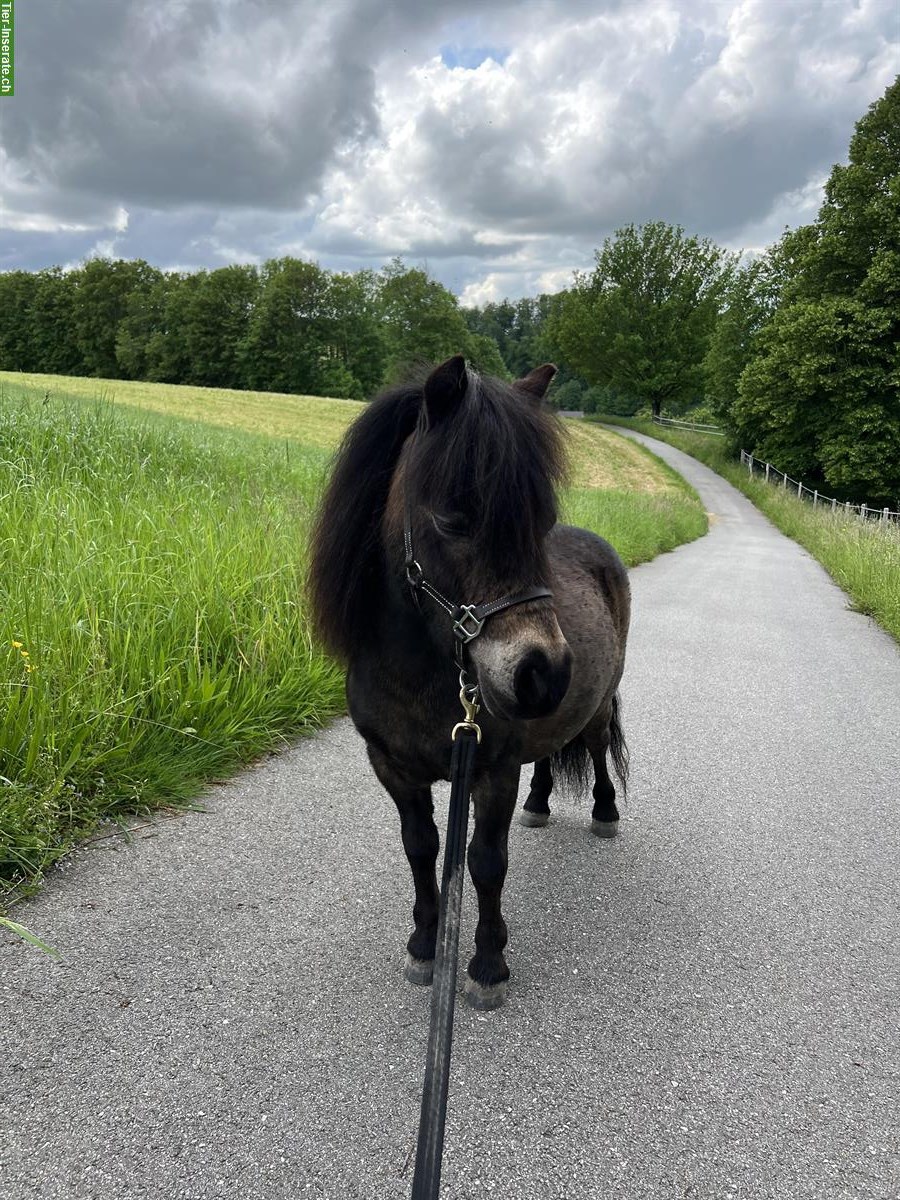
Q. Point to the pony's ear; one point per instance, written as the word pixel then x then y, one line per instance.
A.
pixel 444 388
pixel 536 382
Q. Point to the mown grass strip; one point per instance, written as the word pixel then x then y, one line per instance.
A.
pixel 863 557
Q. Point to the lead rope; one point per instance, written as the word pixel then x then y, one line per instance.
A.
pixel 430 1147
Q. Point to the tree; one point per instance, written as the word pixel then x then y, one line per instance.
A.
pixel 750 301
pixel 51 319
pixel 283 346
pixel 218 314
pixel 141 324
pixel 18 290
pixel 641 321
pixel 423 321
pixel 102 289
pixel 822 396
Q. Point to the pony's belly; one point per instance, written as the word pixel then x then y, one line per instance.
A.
pixel 548 734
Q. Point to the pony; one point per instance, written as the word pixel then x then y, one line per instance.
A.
pixel 447 484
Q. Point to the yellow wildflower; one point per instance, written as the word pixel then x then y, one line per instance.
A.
pixel 17 645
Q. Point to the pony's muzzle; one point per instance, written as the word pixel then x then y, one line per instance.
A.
pixel 540 682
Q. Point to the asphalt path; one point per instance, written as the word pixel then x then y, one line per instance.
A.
pixel 705 1007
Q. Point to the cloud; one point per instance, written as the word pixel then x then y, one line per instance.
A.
pixel 499 145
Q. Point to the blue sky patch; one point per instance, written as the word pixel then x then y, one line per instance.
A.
pixel 471 57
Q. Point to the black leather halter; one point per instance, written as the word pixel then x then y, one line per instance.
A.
pixel 468 619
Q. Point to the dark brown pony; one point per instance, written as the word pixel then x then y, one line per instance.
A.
pixel 471 464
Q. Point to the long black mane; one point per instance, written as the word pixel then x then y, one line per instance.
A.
pixel 497 458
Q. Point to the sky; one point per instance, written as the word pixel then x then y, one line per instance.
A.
pixel 496 144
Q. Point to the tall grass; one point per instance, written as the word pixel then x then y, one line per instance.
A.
pixel 863 557
pixel 151 625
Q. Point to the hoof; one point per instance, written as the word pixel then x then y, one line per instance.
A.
pixel 419 970
pixel 604 829
pixel 534 820
pixel 484 998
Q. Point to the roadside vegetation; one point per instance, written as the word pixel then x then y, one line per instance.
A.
pixel 152 626
pixel 863 557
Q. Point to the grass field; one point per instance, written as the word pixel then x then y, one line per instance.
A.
pixel 863 557
pixel 152 628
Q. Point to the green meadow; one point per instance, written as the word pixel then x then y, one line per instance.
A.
pixel 153 634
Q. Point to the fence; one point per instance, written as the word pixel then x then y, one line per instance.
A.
pixel 711 429
pixel 865 511
pixel 779 479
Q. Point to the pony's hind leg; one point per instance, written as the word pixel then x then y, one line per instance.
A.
pixel 605 814
pixel 420 841
pixel 536 810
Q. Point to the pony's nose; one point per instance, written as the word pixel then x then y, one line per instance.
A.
pixel 540 683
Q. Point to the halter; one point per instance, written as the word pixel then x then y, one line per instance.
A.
pixel 468 619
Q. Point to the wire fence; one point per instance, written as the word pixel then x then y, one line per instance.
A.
pixel 780 479
pixel 697 428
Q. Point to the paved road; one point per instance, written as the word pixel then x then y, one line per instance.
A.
pixel 706 1007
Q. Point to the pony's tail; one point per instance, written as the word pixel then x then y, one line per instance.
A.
pixel 618 750
pixel 572 765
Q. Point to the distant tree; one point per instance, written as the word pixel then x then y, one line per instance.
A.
pixel 18 291
pixel 568 396
pixel 355 336
pixel 422 319
pixel 143 321
pixel 102 289
pixel 51 320
pixel 641 320
pixel 218 315
pixel 167 354
pixel 750 301
pixel 519 329
pixel 283 346
pixel 821 398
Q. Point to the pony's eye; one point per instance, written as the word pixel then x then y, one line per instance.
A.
pixel 451 525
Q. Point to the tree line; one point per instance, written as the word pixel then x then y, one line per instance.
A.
pixel 288 326
pixel 795 352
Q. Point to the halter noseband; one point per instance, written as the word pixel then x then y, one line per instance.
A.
pixel 468 619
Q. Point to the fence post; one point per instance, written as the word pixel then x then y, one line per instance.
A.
pixel 799 489
pixel 833 505
pixel 750 464
pixel 885 514
pixel 767 472
pixel 863 510
pixel 784 480
pixel 815 497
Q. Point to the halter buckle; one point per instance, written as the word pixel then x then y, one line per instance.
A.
pixel 467 624
pixel 414 574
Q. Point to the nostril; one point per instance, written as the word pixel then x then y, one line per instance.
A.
pixel 540 685
pixel 531 686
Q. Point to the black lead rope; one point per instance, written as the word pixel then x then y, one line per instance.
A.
pixel 468 620
pixel 430 1147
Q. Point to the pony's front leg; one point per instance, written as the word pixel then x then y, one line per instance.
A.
pixel 494 796
pixel 420 841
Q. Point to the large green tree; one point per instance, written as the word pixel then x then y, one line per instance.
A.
pixel 423 322
pixel 821 398
pixel 750 301
pixel 640 322
pixel 217 319
pixel 102 290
